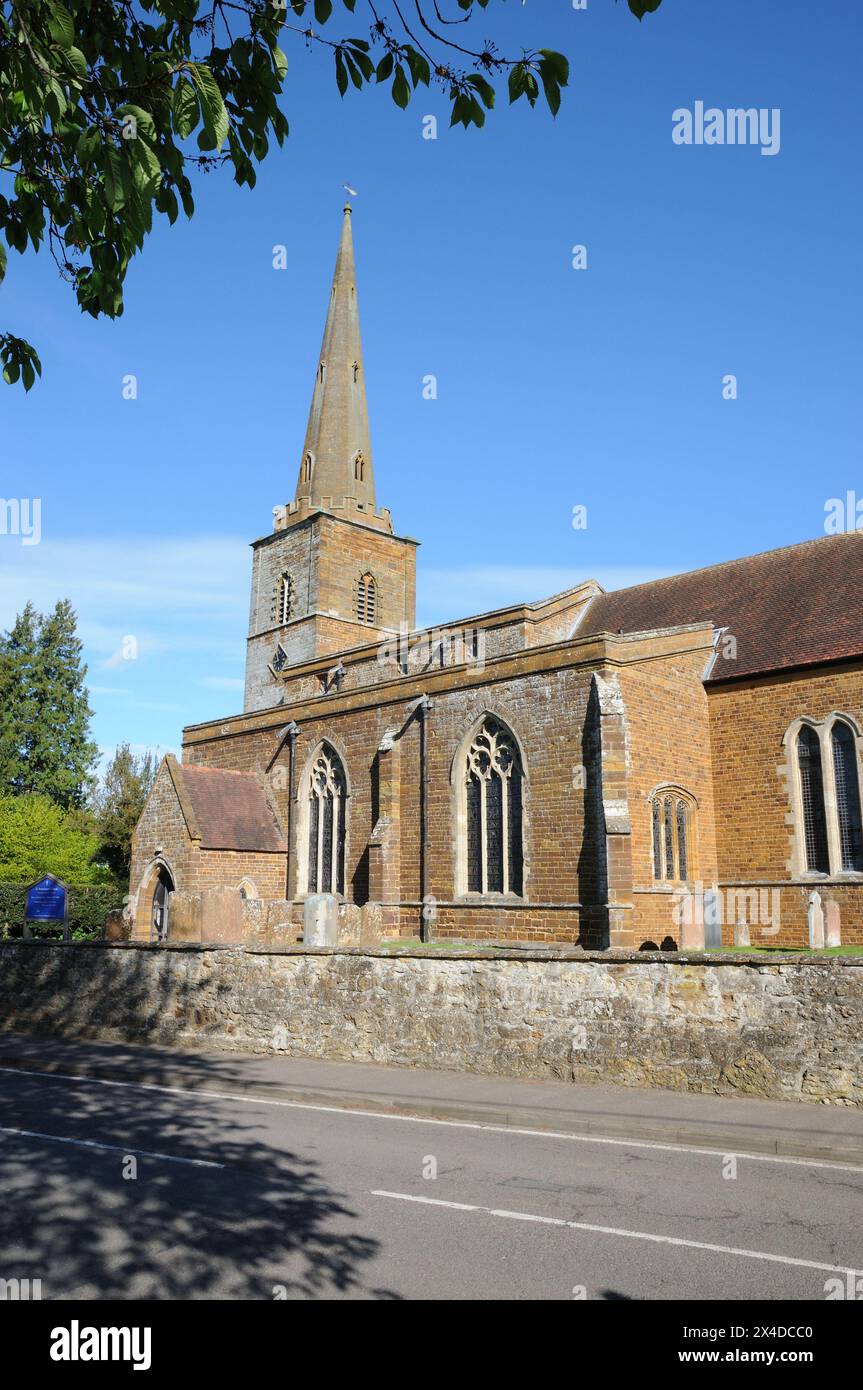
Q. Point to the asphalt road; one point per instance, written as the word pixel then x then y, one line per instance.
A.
pixel 134 1191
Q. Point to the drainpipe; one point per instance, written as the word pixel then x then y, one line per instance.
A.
pixel 422 707
pixel 291 734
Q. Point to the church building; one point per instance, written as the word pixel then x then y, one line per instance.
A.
pixel 670 764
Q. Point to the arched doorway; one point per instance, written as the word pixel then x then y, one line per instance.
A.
pixel 162 891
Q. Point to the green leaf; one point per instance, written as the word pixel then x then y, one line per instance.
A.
pixel 516 81
pixel 3 260
pixel 420 70
pixel 185 109
pixel 341 72
pixel 556 64
pixel 61 25
pixel 323 10
pixel 485 89
pixel 385 67
pixel 642 7
pixel 212 105
pixel 401 90
pixel 280 63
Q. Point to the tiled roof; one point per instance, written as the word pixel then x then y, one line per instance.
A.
pixel 231 809
pixel 798 606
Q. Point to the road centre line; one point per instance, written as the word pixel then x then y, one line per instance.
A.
pixel 617 1231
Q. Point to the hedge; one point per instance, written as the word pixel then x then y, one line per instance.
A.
pixel 89 905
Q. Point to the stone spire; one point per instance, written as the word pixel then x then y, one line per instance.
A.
pixel 336 462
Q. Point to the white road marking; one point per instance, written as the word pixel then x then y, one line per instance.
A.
pixel 617 1231
pixel 110 1148
pixel 197 1094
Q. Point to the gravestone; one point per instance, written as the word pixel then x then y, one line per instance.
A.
pixel 815 918
pixel 834 927
pixel 741 934
pixel 712 918
pixel 321 920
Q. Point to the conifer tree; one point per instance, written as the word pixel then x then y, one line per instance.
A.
pixel 118 804
pixel 44 708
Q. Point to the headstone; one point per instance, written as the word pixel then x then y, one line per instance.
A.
pixel 712 919
pixel 321 920
pixel 815 917
pixel 834 928
pixel 741 934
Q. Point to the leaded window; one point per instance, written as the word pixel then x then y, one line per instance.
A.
pixel 327 800
pixel 493 798
pixel 812 798
pixel 671 818
pixel 847 797
pixel 367 598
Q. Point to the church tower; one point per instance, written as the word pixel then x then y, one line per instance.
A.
pixel 333 574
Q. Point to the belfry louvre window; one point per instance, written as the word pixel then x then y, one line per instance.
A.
pixel 367 597
pixel 285 599
pixel 671 821
pixel 493 786
pixel 847 797
pixel 327 793
pixel 812 800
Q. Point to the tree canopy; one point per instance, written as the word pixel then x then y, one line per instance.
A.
pixel 118 804
pixel 38 837
pixel 45 712
pixel 107 108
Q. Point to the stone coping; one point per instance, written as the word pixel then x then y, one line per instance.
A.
pixel 470 951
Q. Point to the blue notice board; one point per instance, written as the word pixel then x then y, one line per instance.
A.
pixel 46 900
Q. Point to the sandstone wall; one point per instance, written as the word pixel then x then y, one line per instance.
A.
pixel 778 1029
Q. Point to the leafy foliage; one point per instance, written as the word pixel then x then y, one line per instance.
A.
pixel 118 804
pixel 44 708
pixel 106 108
pixel 39 837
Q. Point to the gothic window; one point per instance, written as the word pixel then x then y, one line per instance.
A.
pixel 307 468
pixel 284 600
pixel 326 793
pixel 356 371
pixel 321 371
pixel 359 468
pixel 367 599
pixel 847 797
pixel 493 804
pixel 812 800
pixel 671 823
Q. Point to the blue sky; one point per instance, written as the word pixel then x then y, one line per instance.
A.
pixel 556 387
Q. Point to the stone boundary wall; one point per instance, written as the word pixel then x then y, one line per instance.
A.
pixel 728 1025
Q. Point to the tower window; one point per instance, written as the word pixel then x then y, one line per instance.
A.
pixel 321 372
pixel 494 857
pixel 671 821
pixel 356 371
pixel 359 467
pixel 307 468
pixel 367 597
pixel 284 600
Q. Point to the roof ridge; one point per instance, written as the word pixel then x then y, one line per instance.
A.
pixel 727 564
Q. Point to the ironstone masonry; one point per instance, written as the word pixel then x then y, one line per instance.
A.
pixel 573 770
